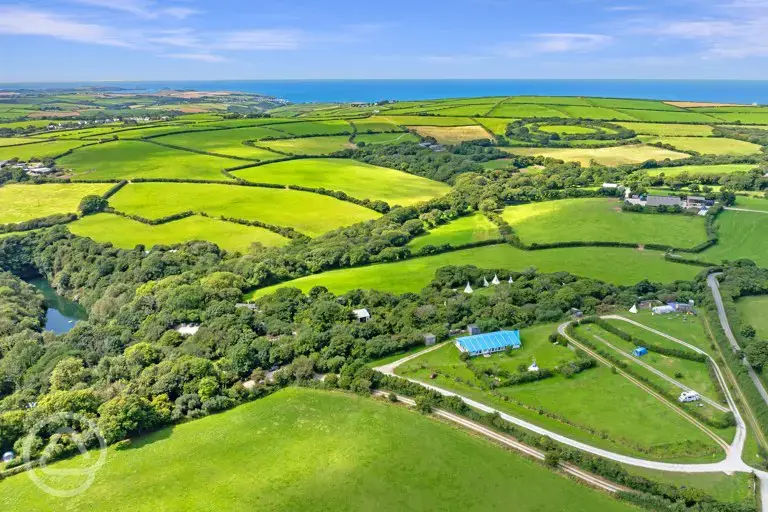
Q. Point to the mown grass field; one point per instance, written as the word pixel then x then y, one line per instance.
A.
pixel 600 219
pixel 600 113
pixel 631 154
pixel 677 130
pixel 375 125
pixel 334 127
pixel 658 116
pixel 386 138
pixel 685 327
pixel 41 150
pixel 752 311
pixel 308 213
pixel 610 264
pixel 309 450
pixel 475 110
pixel 16 141
pixel 357 179
pixel 462 231
pixel 127 233
pixel 708 145
pixel 518 110
pixel 641 422
pixel 496 125
pixel 453 134
pixel 700 169
pixel 27 202
pixel 736 488
pixel 226 142
pixel 752 203
pixel 425 120
pixel 308 145
pixel 741 235
pixel 136 159
pixel 564 129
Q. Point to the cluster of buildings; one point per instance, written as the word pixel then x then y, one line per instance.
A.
pixel 31 168
pixel 434 147
pixel 689 203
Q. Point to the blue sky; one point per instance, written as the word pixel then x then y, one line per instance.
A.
pixel 71 40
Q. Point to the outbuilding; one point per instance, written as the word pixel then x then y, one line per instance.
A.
pixel 473 329
pixel 429 339
pixel 362 315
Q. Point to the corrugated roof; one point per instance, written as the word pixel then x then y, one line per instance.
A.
pixel 490 341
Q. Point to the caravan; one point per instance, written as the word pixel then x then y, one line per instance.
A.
pixel 689 396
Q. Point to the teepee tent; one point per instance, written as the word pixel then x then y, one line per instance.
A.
pixel 468 288
pixel 511 280
pixel 633 309
pixel 495 279
pixel 534 367
pixel 485 282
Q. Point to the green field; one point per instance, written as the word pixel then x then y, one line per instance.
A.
pixel 462 231
pixel 734 488
pixel 464 110
pixel 375 125
pixel 496 125
pixel 599 113
pixel 425 120
pixel 658 116
pixel 684 327
pixel 588 400
pixel 599 219
pixel 42 150
pixel 678 130
pixel 630 154
pixel 565 129
pixel 135 159
pixel 550 100
pixel 741 235
pixel 632 104
pixel 308 145
pixel 335 127
pixel 700 169
pixel 27 202
pixel 414 274
pixel 359 180
pixel 309 450
pixel 226 142
pixel 16 141
pixel 519 110
pixel 708 145
pixel 752 203
pixel 127 234
pixel 752 311
pixel 309 213
pixel 386 138
pixel 744 117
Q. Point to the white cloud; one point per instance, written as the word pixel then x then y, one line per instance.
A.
pixel 201 57
pixel 263 39
pixel 27 22
pixel 141 8
pixel 568 42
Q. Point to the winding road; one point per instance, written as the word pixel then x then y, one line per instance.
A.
pixel 732 463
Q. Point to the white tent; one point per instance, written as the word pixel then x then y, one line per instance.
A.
pixel 511 280
pixel 468 288
pixel 633 309
pixel 534 367
pixel 485 282
pixel 495 279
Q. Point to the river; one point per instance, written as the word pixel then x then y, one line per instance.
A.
pixel 62 314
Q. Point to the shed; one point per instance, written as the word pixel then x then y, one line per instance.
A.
pixel 483 344
pixel 473 329
pixel 655 201
pixel 640 352
pixel 429 339
pixel 362 315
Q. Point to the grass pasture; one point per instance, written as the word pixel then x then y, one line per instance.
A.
pixel 600 219
pixel 752 311
pixel 376 125
pixel 452 134
pixel 425 120
pixel 474 110
pixel 752 203
pixel 563 129
pixel 359 180
pixel 518 110
pixel 27 202
pixel 462 231
pixel 386 138
pixel 632 104
pixel 674 130
pixel 314 450
pixel 138 159
pixel 308 213
pixel 597 113
pixel 708 145
pixel 743 117
pixel 40 150
pixel 414 274
pixel 630 154
pixel 496 125
pixel 16 141
pixel 332 127
pixel 742 235
pixel 308 145
pixel 127 234
pixel 641 422
pixel 226 142
pixel 659 116
pixel 700 169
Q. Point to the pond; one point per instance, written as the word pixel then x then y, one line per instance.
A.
pixel 62 314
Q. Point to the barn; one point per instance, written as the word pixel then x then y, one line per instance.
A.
pixel 488 343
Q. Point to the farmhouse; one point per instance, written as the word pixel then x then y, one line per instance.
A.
pixel 697 202
pixel 482 344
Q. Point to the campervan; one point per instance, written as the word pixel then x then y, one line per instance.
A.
pixel 689 396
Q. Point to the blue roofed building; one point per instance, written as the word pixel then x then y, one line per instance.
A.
pixel 489 343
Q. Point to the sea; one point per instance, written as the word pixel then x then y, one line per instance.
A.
pixel 322 91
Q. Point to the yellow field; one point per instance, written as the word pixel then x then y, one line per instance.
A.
pixel 632 154
pixel 452 134
pixel 27 202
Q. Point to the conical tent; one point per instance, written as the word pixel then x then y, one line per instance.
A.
pixel 468 288
pixel 511 280
pixel 485 282
pixel 633 309
pixel 495 279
